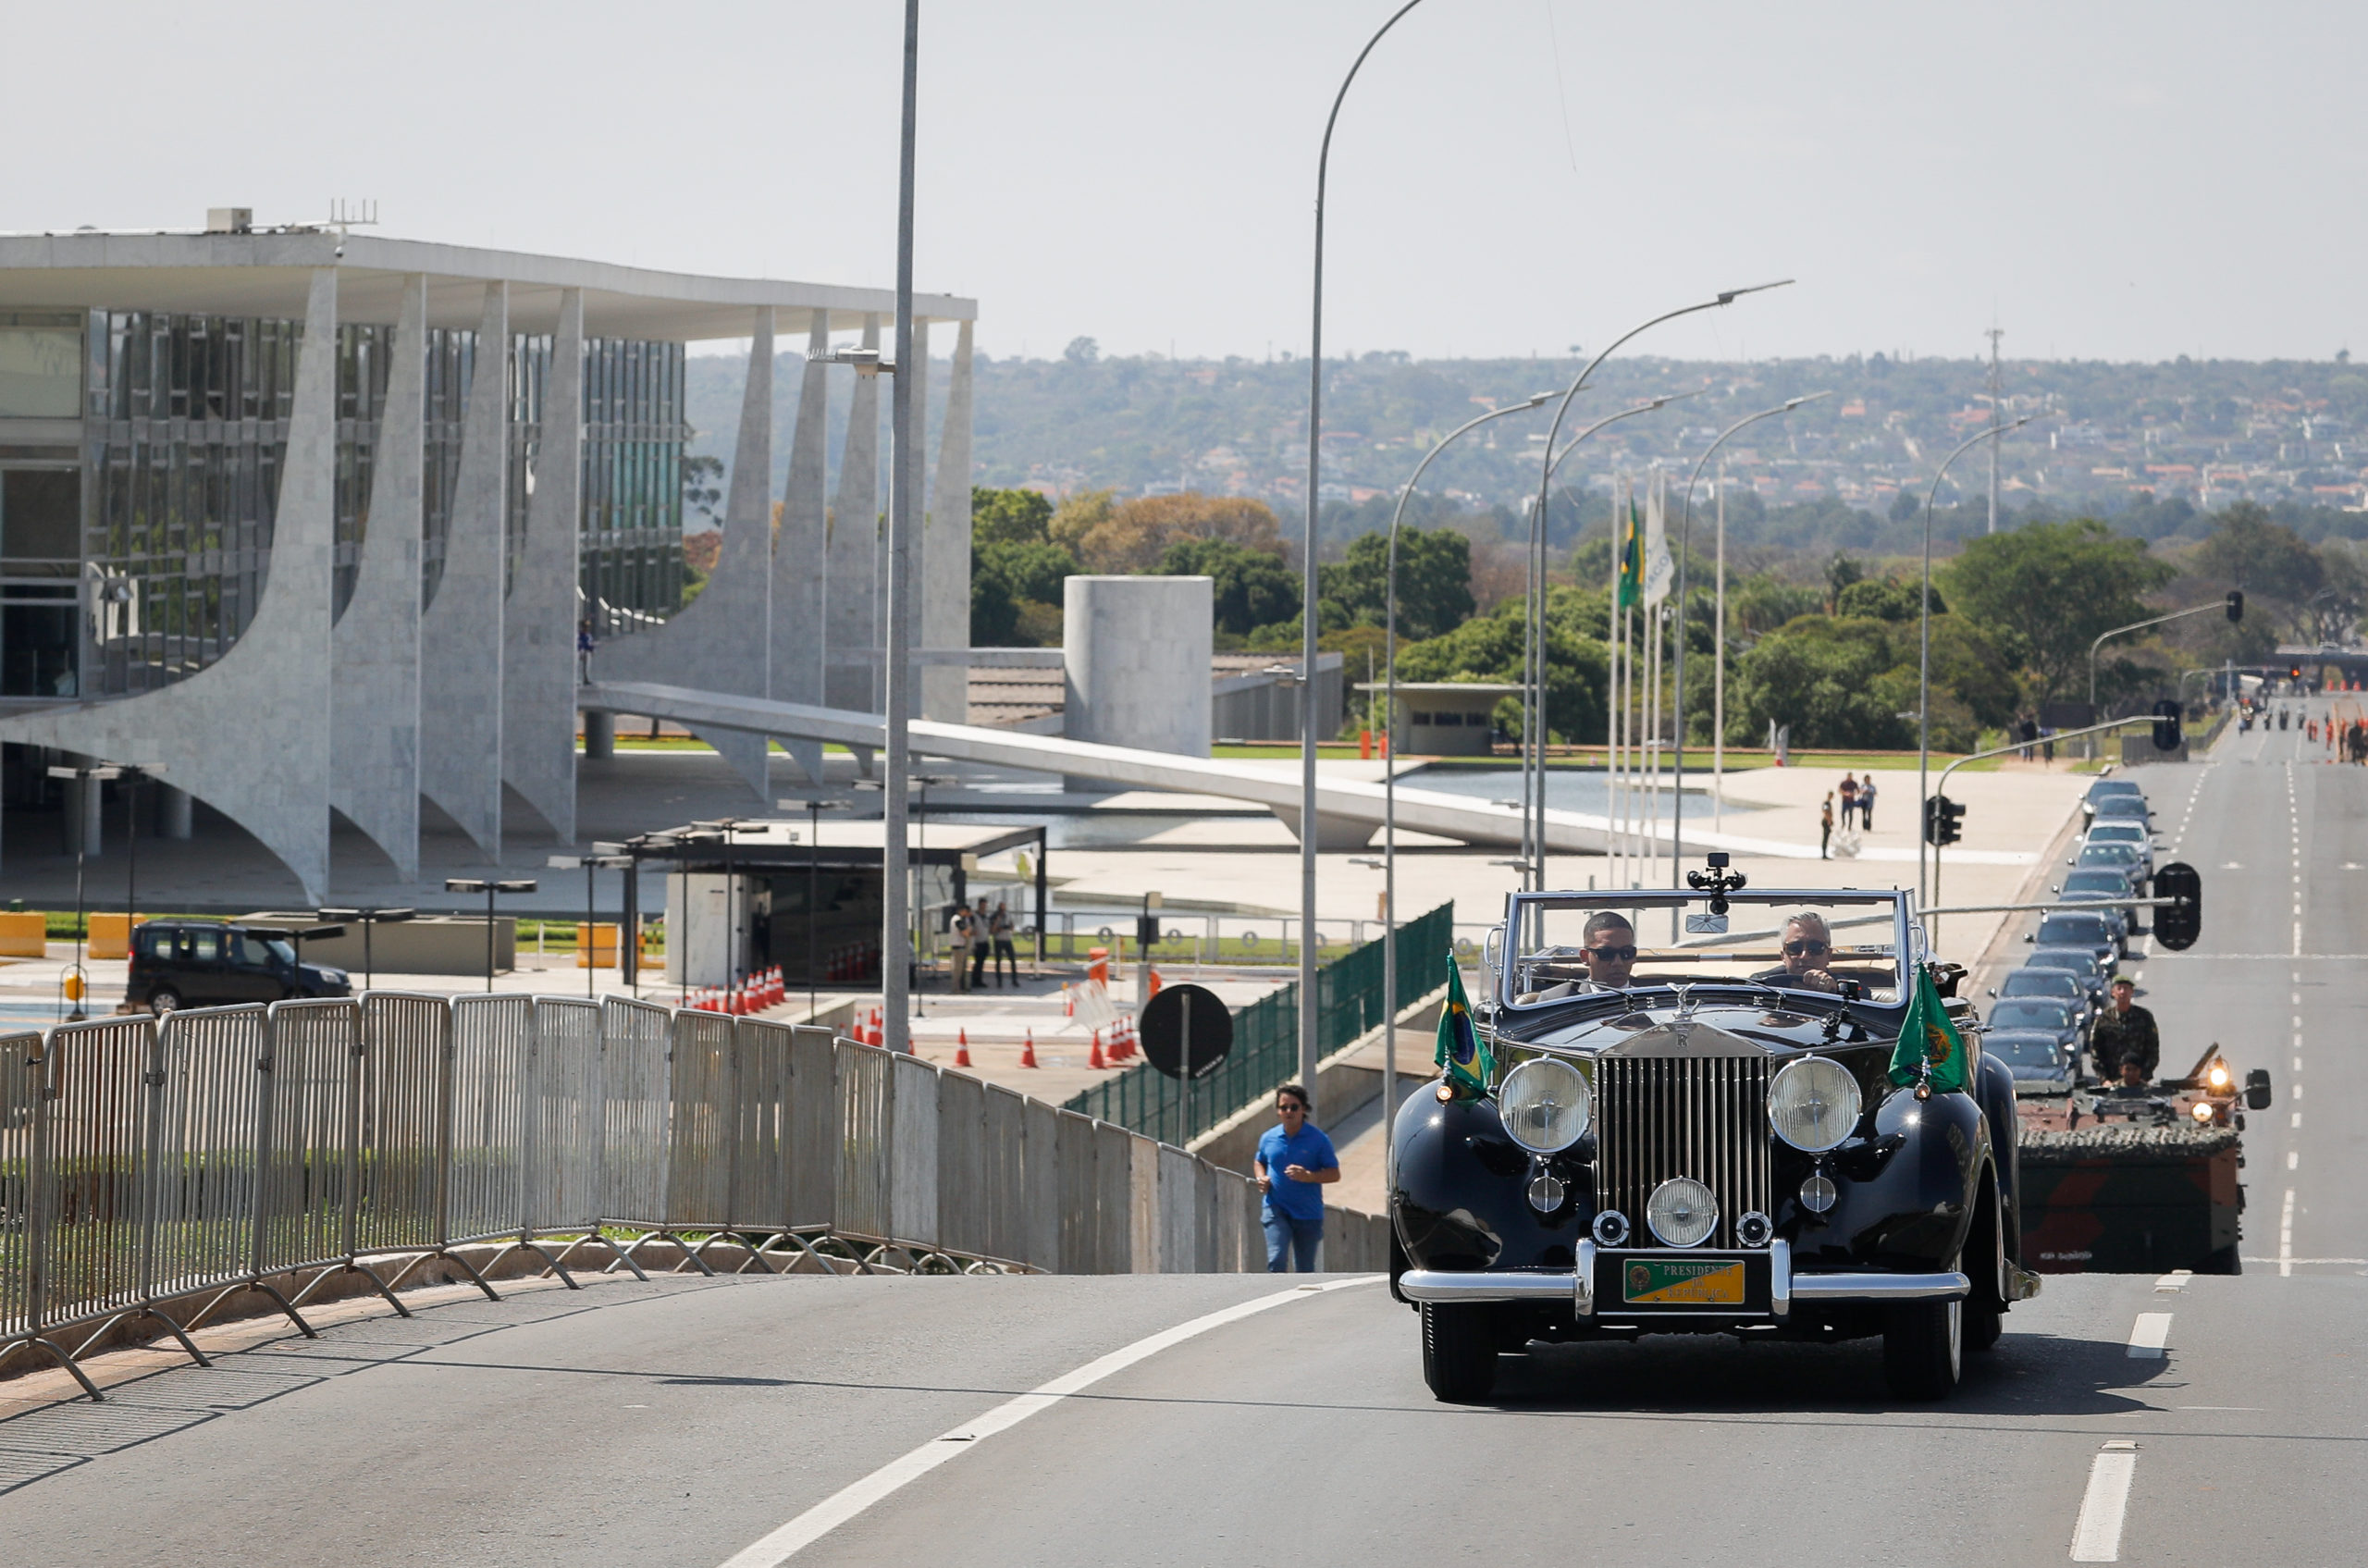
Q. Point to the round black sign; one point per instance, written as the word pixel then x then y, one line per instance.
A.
pixel 1179 1011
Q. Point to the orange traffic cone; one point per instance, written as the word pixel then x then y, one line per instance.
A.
pixel 961 1047
pixel 1027 1051
pixel 1095 1061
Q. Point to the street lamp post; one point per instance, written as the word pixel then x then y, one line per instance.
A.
pixel 84 810
pixel 1307 715
pixel 604 858
pixel 1685 535
pixel 1389 862
pixel 815 806
pixel 366 919
pixel 1924 655
pixel 2231 605
pixel 489 886
pixel 1533 826
pixel 1533 801
pixel 905 478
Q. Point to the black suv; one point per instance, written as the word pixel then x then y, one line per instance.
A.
pixel 209 963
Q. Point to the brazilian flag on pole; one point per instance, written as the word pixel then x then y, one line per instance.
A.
pixel 1632 556
pixel 1463 1056
pixel 1927 1037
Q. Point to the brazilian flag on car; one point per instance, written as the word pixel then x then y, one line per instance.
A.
pixel 1462 1055
pixel 1927 1037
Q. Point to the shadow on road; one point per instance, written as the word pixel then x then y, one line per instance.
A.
pixel 1681 1374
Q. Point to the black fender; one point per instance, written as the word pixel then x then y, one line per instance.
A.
pixel 1906 1191
pixel 1458 1192
pixel 1994 1090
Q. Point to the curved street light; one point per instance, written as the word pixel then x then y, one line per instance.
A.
pixel 1532 802
pixel 1389 774
pixel 1533 666
pixel 1307 818
pixel 1685 535
pixel 1924 655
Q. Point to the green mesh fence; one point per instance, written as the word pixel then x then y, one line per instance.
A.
pixel 1265 1037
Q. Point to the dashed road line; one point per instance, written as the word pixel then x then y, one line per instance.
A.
pixel 2097 1536
pixel 2149 1335
pixel 2286 1238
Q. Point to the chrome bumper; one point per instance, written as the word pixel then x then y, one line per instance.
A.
pixel 1576 1288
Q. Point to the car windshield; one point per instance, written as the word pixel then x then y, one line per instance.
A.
pixel 2081 961
pixel 2117 833
pixel 2104 787
pixel 2073 930
pixel 259 951
pixel 2103 879
pixel 2041 982
pixel 1568 944
pixel 2122 807
pixel 2031 1012
pixel 2109 855
pixel 2025 1051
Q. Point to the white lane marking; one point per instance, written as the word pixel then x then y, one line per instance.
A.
pixel 2286 1238
pixel 2298 1115
pixel 849 1501
pixel 2293 1158
pixel 2097 1537
pixel 2298 1091
pixel 2297 1068
pixel 2175 1281
pixel 2149 1335
pixel 2297 939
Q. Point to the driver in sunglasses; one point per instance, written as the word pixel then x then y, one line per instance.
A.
pixel 1609 953
pixel 1809 950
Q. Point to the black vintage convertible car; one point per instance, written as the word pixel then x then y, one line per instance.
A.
pixel 1693 1126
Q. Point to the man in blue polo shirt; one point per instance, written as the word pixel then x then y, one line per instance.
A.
pixel 1295 1163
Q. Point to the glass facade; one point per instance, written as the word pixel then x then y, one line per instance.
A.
pixel 185 432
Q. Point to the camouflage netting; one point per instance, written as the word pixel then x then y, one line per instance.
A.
pixel 2180 1141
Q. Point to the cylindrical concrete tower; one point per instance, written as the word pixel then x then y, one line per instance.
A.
pixel 1136 651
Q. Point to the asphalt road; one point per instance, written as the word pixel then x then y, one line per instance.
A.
pixel 678 1422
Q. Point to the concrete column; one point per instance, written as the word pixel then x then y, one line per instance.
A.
pixel 722 640
pixel 600 736
pixel 945 590
pixel 539 618
pixel 801 563
pixel 273 685
pixel 853 638
pixel 1135 653
pixel 461 641
pixel 174 814
pixel 90 817
pixel 374 648
pixel 917 609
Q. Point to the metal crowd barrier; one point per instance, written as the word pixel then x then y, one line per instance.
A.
pixel 275 1148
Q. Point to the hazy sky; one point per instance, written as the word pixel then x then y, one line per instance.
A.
pixel 2121 181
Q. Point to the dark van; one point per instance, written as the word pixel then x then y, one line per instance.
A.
pixel 211 963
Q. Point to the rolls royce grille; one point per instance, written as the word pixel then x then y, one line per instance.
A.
pixel 1702 1117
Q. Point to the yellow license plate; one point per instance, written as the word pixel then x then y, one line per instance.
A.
pixel 1672 1282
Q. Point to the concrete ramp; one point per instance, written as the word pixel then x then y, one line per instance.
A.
pixel 1348 810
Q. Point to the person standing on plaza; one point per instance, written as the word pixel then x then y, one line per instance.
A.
pixel 961 946
pixel 1866 803
pixel 982 943
pixel 1825 827
pixel 1849 800
pixel 1295 1163
pixel 999 927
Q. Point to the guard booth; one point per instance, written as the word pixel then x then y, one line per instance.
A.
pixel 779 900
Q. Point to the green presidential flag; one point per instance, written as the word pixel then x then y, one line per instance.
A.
pixel 1463 1056
pixel 1927 1037
pixel 1632 555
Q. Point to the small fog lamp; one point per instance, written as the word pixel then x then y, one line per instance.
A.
pixel 2203 1111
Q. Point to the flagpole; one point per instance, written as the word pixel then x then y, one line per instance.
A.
pixel 1718 675
pixel 1611 714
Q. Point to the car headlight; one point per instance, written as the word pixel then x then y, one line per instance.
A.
pixel 1813 1103
pixel 1545 1104
pixel 1681 1212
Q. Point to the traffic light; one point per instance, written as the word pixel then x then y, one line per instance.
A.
pixel 2294 672
pixel 2178 925
pixel 2166 724
pixel 2236 605
pixel 1146 932
pixel 1942 817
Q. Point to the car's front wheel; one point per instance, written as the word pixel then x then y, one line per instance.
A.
pixel 1924 1349
pixel 1459 1351
pixel 162 1000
